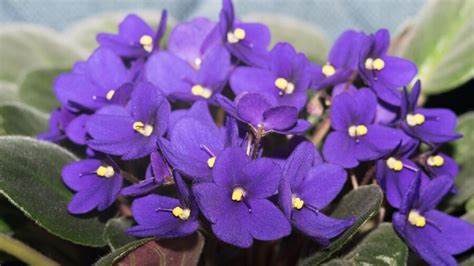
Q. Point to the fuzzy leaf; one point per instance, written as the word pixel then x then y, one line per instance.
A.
pixel 30 178
pixel 8 91
pixel 363 203
pixel 25 47
pixel 440 42
pixel 114 233
pixel 20 119
pixel 115 255
pixel 36 88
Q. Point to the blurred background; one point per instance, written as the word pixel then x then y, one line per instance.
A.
pixel 331 16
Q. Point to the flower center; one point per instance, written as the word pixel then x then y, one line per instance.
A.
pixel 356 131
pixel 199 90
pixel 181 213
pixel 110 94
pixel 394 164
pixel 328 70
pixel 284 85
pixel 105 171
pixel 147 42
pixel 237 35
pixel 197 63
pixel 211 161
pixel 415 120
pixel 142 128
pixel 297 202
pixel 416 219
pixel 436 161
pixel 238 194
pixel 374 64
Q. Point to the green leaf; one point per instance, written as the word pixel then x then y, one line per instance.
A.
pixel 441 44
pixel 20 119
pixel 380 247
pixel 36 88
pixel 306 38
pixel 84 32
pixel 178 251
pixel 25 47
pixel 4 227
pixel 30 178
pixel 8 91
pixel 470 205
pixel 363 203
pixel 464 156
pixel 114 233
pixel 115 255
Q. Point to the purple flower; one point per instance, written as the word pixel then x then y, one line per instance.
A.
pixel 342 61
pixel 195 142
pixel 384 74
pixel 438 164
pixel 58 122
pixel 236 203
pixel 179 80
pixel 94 84
pixel 131 132
pixel 164 217
pixel 157 173
pixel 356 138
pixel 135 39
pixel 187 38
pixel 97 184
pixel 430 125
pixel 248 42
pixel 264 115
pixel 286 79
pixel 435 236
pixel 306 188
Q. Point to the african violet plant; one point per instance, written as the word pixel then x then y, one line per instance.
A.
pixel 209 134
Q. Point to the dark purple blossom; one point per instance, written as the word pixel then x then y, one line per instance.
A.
pixel 135 38
pixel 164 217
pixel 438 163
pixel 236 203
pixel 342 61
pixel 94 83
pixel 248 42
pixel 58 122
pixel 131 132
pixel 355 138
pixel 97 184
pixel 435 236
pixel 286 79
pixel 195 141
pixel 179 80
pixel 430 125
pixel 306 188
pixel 157 173
pixel 385 74
pixel 264 115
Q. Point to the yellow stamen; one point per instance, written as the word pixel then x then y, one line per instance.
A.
pixel 378 64
pixel 147 42
pixel 110 94
pixel 328 70
pixel 435 161
pixel 416 219
pixel 197 63
pixel 182 214
pixel 415 120
pixel 359 130
pixel 236 36
pixel 281 83
pixel 290 88
pixel 211 161
pixel 140 127
pixel 394 164
pixel 238 194
pixel 199 90
pixel 297 203
pixel 105 171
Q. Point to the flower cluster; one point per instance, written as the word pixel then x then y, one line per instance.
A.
pixel 133 100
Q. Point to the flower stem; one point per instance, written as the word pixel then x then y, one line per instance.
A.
pixel 23 252
pixel 321 131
